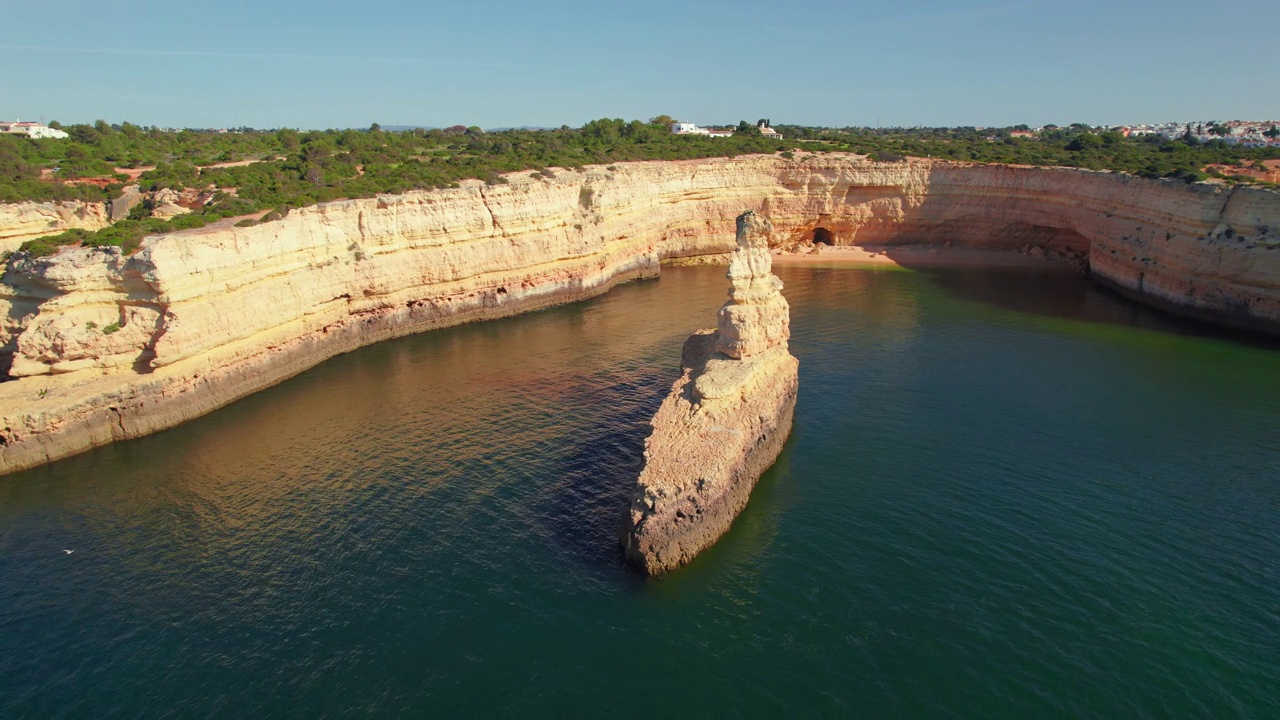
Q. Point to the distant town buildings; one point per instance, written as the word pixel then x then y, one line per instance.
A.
pixel 31 130
pixel 1244 133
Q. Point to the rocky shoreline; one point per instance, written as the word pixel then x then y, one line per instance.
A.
pixel 725 420
pixel 97 346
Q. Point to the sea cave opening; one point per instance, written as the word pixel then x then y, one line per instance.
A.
pixel 823 236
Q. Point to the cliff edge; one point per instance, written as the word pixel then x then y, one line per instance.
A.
pixel 725 420
pixel 98 346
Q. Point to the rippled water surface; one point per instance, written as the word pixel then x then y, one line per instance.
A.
pixel 1006 493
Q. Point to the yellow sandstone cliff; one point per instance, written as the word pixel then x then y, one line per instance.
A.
pixel 103 347
pixel 724 421
pixel 20 222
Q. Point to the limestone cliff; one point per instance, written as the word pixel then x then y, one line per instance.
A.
pixel 725 420
pixel 20 222
pixel 106 347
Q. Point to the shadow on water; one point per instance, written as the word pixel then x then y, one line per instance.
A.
pixel 1062 294
pixel 597 468
pixel 743 552
pixel 430 524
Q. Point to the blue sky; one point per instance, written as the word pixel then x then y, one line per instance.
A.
pixel 815 62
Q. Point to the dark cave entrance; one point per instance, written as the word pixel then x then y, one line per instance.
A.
pixel 823 236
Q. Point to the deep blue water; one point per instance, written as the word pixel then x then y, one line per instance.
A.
pixel 1007 493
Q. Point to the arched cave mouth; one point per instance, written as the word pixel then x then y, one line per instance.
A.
pixel 823 236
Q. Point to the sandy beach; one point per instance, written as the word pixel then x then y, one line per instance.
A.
pixel 909 256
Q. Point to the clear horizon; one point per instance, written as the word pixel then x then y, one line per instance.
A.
pixel 818 62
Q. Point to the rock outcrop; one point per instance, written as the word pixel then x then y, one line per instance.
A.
pixel 105 347
pixel 725 420
pixel 20 222
pixel 130 197
pixel 165 204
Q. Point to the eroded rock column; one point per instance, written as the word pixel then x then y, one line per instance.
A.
pixel 725 420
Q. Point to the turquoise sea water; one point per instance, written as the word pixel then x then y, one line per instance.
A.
pixel 1007 493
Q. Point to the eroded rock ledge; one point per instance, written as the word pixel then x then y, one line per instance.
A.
pixel 24 221
pixel 102 347
pixel 725 420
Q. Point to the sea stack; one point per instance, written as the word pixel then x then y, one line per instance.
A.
pixel 725 420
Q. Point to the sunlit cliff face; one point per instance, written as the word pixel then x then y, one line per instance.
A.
pixel 222 311
pixel 725 419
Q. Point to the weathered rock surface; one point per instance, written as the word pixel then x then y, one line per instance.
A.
pixel 109 347
pixel 20 222
pixel 725 420
pixel 165 204
pixel 130 197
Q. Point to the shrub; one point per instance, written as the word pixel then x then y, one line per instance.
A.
pixel 586 197
pixel 1188 175
pixel 49 244
pixel 277 214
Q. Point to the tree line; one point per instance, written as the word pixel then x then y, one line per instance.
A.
pixel 296 169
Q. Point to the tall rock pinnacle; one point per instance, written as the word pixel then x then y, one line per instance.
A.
pixel 725 420
pixel 756 317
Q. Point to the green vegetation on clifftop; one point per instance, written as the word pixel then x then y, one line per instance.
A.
pixel 333 164
pixel 287 168
pixel 1079 146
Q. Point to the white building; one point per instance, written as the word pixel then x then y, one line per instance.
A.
pixel 682 128
pixel 31 130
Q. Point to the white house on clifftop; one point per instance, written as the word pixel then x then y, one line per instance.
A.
pixel 31 130
pixel 684 128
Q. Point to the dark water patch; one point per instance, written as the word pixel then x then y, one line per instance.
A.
pixel 1057 292
pixel 1018 501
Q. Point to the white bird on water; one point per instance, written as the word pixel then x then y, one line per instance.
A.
pixel 68 551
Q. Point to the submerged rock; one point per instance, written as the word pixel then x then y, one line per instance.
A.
pixel 725 420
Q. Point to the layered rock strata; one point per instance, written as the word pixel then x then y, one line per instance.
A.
pixel 724 421
pixel 20 222
pixel 103 347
